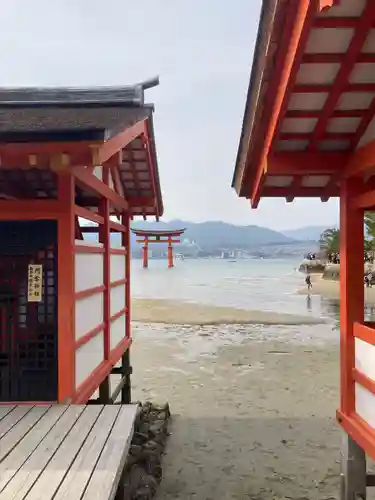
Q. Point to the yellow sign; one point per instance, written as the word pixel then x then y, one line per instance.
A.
pixel 35 283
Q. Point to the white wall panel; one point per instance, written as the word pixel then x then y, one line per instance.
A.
pixel 88 357
pixel 88 314
pixel 117 299
pixel 118 266
pixel 117 331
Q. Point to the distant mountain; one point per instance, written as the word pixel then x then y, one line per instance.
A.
pixel 307 233
pixel 214 235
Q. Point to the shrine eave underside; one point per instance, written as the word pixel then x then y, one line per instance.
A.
pixel 309 114
pixel 89 128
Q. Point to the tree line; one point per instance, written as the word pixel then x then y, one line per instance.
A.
pixel 330 238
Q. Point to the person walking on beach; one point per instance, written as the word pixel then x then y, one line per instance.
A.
pixel 308 282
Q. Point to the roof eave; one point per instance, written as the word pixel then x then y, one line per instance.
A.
pixel 265 28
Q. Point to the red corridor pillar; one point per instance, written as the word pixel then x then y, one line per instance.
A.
pixel 351 285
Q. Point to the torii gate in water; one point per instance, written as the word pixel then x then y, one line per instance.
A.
pixel 150 236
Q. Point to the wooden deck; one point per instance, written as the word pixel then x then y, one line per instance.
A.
pixel 62 452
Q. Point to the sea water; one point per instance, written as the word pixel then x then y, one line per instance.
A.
pixel 256 284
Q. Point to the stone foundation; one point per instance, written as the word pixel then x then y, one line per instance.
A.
pixel 143 472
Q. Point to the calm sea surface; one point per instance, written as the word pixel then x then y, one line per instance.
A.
pixel 259 284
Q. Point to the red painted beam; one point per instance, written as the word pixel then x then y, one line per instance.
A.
pixel 304 163
pixel 294 187
pixel 152 167
pixel 140 201
pixel 365 201
pixel 120 141
pixel 297 18
pixel 361 161
pixel 335 58
pixel 88 180
pixel 336 22
pixel 301 192
pixel 364 123
pixel 159 241
pixel 338 113
pixel 295 136
pixel 355 47
pixel 324 88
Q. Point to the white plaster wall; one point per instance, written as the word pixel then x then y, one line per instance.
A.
pixel 117 299
pixel 88 270
pixel 117 331
pixel 365 358
pixel 365 404
pixel 88 357
pixel 117 267
pixel 88 314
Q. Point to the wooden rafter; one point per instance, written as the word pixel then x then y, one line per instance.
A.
pixel 364 25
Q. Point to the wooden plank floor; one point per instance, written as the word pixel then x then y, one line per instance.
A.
pixel 61 452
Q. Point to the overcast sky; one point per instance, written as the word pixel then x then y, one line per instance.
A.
pixel 201 49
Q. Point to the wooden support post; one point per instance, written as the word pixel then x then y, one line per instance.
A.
pixel 170 253
pixel 126 373
pixel 351 285
pixel 145 253
pixel 105 391
pixel 353 470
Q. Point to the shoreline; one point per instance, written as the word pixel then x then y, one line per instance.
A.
pixel 171 312
pixel 330 289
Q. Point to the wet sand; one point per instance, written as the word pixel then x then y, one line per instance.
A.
pixel 331 290
pixel 186 313
pixel 252 418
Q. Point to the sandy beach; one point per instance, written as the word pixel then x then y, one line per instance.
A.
pixel 252 420
pixel 253 404
pixel 172 312
pixel 331 289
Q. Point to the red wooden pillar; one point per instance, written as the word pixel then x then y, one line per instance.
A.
pixel 105 239
pixel 125 220
pixel 145 253
pixel 66 287
pixel 351 285
pixel 170 252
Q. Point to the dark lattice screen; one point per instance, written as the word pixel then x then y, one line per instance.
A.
pixel 28 330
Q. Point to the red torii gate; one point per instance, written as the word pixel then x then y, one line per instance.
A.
pixel 157 236
pixel 309 131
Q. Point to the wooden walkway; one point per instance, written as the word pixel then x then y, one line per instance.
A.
pixel 61 452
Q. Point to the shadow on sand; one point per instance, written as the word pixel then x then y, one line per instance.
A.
pixel 278 458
